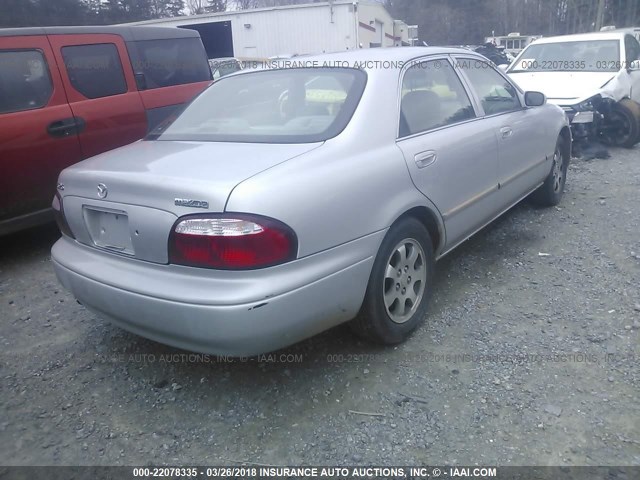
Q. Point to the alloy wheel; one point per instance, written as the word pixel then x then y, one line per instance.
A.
pixel 558 171
pixel 404 280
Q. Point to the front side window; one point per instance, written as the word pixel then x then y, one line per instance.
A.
pixel 95 70
pixel 25 83
pixel 632 48
pixel 432 97
pixel 176 61
pixel 298 105
pixel 496 94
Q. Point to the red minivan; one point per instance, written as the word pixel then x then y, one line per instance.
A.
pixel 69 93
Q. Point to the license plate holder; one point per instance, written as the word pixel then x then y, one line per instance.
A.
pixel 109 229
pixel 583 117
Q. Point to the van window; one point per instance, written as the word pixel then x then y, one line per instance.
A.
pixel 25 83
pixel 165 63
pixel 95 70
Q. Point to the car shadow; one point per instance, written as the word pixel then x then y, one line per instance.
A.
pixel 33 242
pixel 336 348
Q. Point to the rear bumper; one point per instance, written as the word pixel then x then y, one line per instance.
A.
pixel 223 313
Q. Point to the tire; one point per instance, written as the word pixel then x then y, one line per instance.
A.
pixel 622 125
pixel 550 192
pixel 390 318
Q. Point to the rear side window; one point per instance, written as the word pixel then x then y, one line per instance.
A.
pixel 496 94
pixel 25 83
pixel 221 68
pixel 165 63
pixel 432 97
pixel 95 70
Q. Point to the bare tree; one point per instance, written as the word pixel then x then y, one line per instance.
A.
pixel 216 6
pixel 246 4
pixel 196 7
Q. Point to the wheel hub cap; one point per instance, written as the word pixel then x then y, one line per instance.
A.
pixel 405 280
pixel 558 171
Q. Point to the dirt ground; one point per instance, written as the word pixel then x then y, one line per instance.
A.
pixel 528 357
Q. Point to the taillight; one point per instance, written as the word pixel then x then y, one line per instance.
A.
pixel 58 214
pixel 231 242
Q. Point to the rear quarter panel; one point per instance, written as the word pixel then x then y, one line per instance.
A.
pixel 355 184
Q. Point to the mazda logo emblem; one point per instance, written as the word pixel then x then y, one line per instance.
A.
pixel 102 190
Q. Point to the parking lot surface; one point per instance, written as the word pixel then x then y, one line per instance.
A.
pixel 528 357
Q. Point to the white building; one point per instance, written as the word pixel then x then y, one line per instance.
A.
pixel 513 43
pixel 329 26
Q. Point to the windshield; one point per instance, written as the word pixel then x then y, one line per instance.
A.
pixel 300 105
pixel 582 56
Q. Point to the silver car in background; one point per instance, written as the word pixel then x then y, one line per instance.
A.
pixel 284 202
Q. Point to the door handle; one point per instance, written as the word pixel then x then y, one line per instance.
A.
pixel 64 128
pixel 141 81
pixel 506 132
pixel 425 159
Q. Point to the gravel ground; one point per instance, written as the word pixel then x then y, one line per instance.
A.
pixel 528 358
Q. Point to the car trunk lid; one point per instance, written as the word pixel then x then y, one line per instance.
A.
pixel 127 200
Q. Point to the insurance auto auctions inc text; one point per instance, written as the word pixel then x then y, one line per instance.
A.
pixel 375 472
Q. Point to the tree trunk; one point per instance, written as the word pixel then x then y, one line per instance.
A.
pixel 600 15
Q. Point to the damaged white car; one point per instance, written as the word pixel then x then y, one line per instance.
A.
pixel 594 77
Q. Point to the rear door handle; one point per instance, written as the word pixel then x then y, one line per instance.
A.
pixel 66 127
pixel 506 132
pixel 425 159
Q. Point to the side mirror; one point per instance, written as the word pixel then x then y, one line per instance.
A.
pixel 503 67
pixel 634 66
pixel 534 99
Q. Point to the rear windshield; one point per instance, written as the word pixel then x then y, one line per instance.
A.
pixel 298 105
pixel 165 63
pixel 587 56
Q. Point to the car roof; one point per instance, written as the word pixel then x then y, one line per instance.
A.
pixel 129 33
pixel 610 35
pixel 389 54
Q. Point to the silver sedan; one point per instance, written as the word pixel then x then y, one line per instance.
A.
pixel 283 202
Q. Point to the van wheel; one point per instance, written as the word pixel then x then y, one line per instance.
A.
pixel 399 286
pixel 622 124
pixel 550 192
